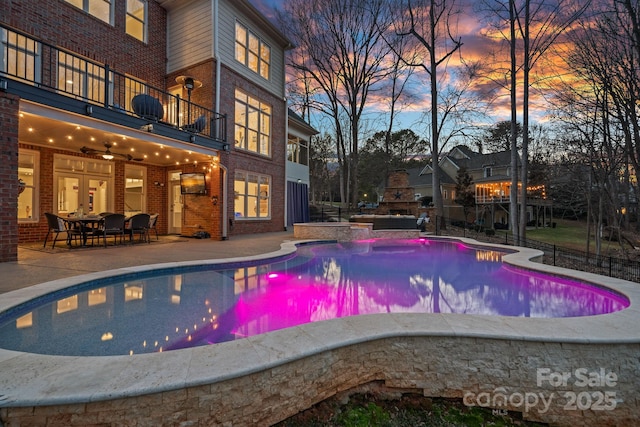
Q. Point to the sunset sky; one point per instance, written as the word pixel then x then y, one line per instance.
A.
pixel 475 46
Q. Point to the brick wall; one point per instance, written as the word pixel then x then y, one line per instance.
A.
pixel 436 366
pixel 61 24
pixel 156 194
pixel 273 166
pixel 8 177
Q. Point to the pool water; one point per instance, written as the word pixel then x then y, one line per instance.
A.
pixel 198 306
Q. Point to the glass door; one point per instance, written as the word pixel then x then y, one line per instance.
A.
pixel 82 184
pixel 87 193
pixel 175 204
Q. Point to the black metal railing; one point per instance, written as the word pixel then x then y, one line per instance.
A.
pixel 54 69
pixel 605 265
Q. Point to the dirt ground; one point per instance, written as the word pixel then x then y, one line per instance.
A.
pixel 409 409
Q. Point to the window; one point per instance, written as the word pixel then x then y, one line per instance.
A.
pixel 79 77
pixel 101 9
pixel 137 19
pixel 252 195
pixel 252 52
pixel 298 150
pixel 80 183
pixel 19 56
pixel 252 124
pixel 28 200
pixel 135 199
pixel 487 172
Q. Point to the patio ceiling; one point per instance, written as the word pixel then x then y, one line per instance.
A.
pixel 51 128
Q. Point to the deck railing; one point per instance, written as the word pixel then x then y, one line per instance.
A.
pixel 63 72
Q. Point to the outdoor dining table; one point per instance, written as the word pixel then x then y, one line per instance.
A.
pixel 87 225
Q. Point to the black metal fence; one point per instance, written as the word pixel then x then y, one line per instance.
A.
pixel 553 255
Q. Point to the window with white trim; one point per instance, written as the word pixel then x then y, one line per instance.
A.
pixel 252 52
pixel 137 19
pixel 135 196
pixel 487 171
pixel 101 9
pixel 28 173
pixel 252 124
pixel 252 195
pixel 298 150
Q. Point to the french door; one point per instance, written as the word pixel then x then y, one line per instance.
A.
pixel 75 192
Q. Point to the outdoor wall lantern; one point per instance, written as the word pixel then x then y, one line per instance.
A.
pixel 214 200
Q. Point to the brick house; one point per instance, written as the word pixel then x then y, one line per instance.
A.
pixel 209 86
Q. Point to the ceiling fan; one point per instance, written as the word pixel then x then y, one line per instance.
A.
pixel 108 154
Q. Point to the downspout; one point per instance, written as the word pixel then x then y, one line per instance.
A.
pixel 286 186
pixel 216 56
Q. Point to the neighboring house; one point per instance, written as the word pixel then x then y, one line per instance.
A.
pixel 210 75
pixel 491 174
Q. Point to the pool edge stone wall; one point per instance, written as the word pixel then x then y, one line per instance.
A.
pixel 470 368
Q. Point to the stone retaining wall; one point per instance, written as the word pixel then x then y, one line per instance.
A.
pixel 478 370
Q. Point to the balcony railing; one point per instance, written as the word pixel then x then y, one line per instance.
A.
pixel 531 199
pixel 54 69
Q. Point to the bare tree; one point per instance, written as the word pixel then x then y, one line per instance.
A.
pixel 531 28
pixel 430 24
pixel 341 52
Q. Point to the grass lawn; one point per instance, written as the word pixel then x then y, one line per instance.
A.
pixel 572 235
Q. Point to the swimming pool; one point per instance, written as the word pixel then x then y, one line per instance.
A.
pixel 289 370
pixel 197 305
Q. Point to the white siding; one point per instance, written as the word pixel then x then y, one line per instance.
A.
pixel 189 35
pixel 229 14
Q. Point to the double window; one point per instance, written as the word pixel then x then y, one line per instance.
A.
pixel 101 9
pixel 79 77
pixel 252 52
pixel 19 56
pixel 252 124
pixel 252 193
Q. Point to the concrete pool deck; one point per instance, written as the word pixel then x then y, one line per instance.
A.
pixel 289 370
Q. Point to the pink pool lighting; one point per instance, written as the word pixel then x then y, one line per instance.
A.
pixel 321 282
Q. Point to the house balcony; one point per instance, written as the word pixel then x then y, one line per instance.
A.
pixel 57 79
pixel 500 193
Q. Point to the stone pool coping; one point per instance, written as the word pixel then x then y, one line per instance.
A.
pixel 39 380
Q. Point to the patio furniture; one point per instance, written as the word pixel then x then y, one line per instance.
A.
pixel 111 225
pixel 57 225
pixel 138 224
pixel 85 227
pixel 153 222
pixel 197 126
pixel 147 107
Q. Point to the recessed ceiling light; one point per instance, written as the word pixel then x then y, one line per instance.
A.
pixel 30 129
pixel 51 140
